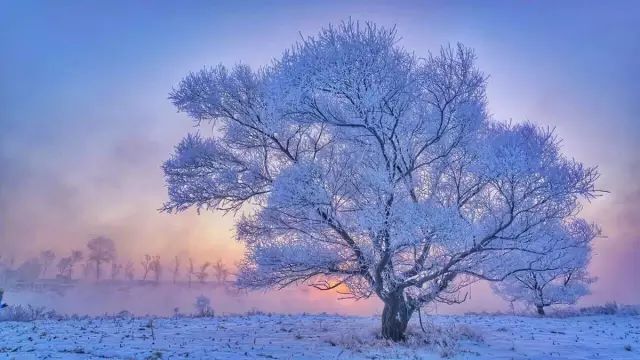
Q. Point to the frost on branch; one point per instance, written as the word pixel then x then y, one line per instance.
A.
pixel 360 167
pixel 205 174
pixel 562 277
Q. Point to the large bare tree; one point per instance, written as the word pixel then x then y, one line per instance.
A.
pixel 371 171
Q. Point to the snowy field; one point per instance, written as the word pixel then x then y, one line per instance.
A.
pixel 321 337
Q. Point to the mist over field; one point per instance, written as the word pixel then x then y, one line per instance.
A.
pixel 87 124
pixel 163 299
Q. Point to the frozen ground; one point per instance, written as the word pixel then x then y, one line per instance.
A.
pixel 321 337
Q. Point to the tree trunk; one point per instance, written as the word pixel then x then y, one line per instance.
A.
pixel 97 270
pixel 395 317
pixel 540 310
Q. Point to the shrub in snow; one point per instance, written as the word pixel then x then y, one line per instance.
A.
pixel 203 307
pixel 372 171
pixel 631 310
pixel 568 311
pixel 445 339
pixel 610 308
pixel 25 313
pixel 257 312
pixel 124 314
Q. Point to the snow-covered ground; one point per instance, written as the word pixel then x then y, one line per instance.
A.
pixel 321 337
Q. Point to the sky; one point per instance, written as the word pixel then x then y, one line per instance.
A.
pixel 85 122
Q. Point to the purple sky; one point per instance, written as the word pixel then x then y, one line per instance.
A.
pixel 85 120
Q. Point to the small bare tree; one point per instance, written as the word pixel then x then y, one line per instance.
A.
pixel 176 269
pixel 101 250
pixel 129 272
pixel 46 259
pixel 191 271
pixel 86 269
pixel 221 272
pixel 115 270
pixel 156 268
pixel 65 267
pixel 202 274
pixel 66 264
pixel 146 266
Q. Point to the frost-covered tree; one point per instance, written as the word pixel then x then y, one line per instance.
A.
pixel 101 250
pixel 565 278
pixel 369 170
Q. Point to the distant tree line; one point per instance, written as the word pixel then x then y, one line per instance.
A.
pixel 99 262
